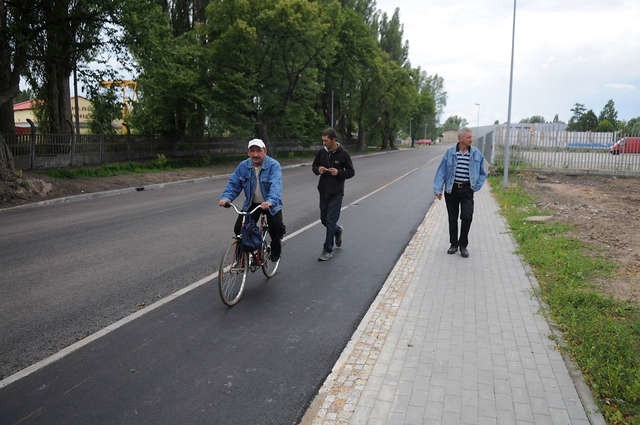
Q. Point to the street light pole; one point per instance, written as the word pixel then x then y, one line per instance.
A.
pixel 478 116
pixel 507 146
pixel 410 133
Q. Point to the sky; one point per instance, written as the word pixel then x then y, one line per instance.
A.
pixel 565 52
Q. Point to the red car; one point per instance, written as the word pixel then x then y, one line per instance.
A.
pixel 626 145
pixel 424 142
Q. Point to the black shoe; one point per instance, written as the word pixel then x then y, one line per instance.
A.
pixel 464 252
pixel 325 256
pixel 338 238
pixel 452 249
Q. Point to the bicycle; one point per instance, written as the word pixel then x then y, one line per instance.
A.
pixel 236 262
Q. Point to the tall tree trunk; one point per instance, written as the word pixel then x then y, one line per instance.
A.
pixel 7 123
pixel 361 138
pixel 7 166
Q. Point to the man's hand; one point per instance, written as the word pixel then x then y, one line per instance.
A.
pixel 439 195
pixel 332 171
pixel 265 205
pixel 224 203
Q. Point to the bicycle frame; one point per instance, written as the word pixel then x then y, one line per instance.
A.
pixel 236 263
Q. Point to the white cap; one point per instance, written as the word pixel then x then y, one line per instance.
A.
pixel 257 142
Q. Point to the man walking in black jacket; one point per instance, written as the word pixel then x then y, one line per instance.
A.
pixel 333 164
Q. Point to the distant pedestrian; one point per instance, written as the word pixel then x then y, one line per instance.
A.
pixel 461 172
pixel 333 164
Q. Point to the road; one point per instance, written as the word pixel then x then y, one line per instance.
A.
pixel 69 270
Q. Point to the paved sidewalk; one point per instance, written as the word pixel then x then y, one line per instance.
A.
pixel 451 340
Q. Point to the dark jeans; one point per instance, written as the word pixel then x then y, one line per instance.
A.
pixel 329 215
pixel 459 202
pixel 276 228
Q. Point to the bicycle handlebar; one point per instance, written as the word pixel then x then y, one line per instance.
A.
pixel 239 211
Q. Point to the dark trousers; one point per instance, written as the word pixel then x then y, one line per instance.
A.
pixel 276 228
pixel 459 202
pixel 329 215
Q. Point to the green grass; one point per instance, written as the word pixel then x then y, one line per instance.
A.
pixel 160 163
pixel 601 334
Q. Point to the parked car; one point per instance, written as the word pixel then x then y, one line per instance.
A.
pixel 424 142
pixel 626 145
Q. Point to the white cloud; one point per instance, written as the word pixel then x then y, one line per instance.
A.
pixel 565 53
pixel 620 86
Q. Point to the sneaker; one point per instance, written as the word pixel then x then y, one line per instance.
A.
pixel 325 256
pixel 338 238
pixel 452 249
pixel 464 252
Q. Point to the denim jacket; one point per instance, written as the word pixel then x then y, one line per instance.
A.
pixel 447 170
pixel 244 178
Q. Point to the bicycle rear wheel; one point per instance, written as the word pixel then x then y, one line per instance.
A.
pixel 232 274
pixel 269 268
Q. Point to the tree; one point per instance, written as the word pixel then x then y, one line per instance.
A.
pixel 605 126
pixel 105 109
pixel 609 114
pixel 588 121
pixel 574 122
pixel 533 120
pixel 24 95
pixel 346 75
pixel 425 114
pixel 391 32
pixel 295 37
pixel 18 29
pixel 454 122
pixel 632 127
pixel 70 32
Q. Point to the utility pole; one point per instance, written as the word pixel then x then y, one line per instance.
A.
pixel 507 146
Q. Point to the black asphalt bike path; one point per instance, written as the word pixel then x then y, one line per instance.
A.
pixel 195 361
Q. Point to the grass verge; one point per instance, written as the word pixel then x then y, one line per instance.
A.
pixel 601 334
pixel 160 163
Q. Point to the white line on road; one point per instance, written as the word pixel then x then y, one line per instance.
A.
pixel 118 324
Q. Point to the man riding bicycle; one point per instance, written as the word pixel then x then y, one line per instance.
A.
pixel 259 167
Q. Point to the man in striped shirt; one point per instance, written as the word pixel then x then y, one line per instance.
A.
pixel 461 173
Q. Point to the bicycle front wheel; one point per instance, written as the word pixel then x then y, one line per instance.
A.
pixel 269 268
pixel 232 274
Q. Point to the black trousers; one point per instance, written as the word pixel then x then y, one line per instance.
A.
pixel 459 203
pixel 276 228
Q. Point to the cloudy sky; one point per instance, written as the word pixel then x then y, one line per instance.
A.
pixel 566 52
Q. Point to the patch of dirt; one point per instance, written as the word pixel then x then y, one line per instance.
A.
pixel 31 187
pixel 604 213
pixel 34 187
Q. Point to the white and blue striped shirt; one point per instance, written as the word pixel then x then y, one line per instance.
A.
pixel 462 167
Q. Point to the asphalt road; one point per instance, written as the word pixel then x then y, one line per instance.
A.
pixel 69 270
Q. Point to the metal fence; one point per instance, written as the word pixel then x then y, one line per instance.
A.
pixel 32 151
pixel 550 148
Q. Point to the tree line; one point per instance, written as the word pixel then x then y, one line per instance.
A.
pixel 587 120
pixel 275 69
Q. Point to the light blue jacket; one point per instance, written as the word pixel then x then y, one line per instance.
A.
pixel 244 178
pixel 447 170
